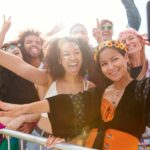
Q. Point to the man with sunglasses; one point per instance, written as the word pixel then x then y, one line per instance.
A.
pixel 104 29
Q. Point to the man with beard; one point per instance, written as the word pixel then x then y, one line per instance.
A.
pixel 31 47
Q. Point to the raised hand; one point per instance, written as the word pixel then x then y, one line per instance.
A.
pixel 6 24
pixel 5 27
pixel 97 33
pixel 56 28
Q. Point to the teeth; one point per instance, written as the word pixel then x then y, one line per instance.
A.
pixel 131 47
pixel 114 73
pixel 34 49
pixel 72 65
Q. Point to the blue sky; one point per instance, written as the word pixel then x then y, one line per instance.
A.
pixel 43 14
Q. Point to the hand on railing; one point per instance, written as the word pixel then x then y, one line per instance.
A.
pixel 52 141
pixel 41 141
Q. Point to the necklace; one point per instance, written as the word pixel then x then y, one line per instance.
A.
pixel 114 95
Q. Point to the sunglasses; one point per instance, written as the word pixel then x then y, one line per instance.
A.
pixel 106 28
pixel 10 48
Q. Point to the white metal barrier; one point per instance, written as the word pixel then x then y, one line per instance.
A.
pixel 39 140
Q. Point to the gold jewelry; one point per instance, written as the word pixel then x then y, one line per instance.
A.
pixel 113 95
pixel 116 96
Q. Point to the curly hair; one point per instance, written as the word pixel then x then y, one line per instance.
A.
pixel 53 55
pixel 22 37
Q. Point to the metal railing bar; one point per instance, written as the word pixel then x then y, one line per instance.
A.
pixel 41 140
pixel 8 139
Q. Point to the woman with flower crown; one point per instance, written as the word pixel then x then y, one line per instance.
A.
pixel 135 44
pixel 124 105
pixel 125 102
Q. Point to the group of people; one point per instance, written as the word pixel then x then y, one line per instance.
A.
pixel 93 97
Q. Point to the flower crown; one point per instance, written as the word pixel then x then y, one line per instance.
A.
pixel 110 44
pixel 115 44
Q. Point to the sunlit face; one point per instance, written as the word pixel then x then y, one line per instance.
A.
pixel 32 46
pixel 80 32
pixel 13 49
pixel 113 64
pixel 70 57
pixel 132 42
pixel 107 31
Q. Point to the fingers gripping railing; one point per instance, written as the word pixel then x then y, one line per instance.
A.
pixel 39 140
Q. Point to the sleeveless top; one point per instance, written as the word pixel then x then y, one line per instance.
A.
pixel 71 114
pixel 52 91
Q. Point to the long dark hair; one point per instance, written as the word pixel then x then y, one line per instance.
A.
pixel 116 45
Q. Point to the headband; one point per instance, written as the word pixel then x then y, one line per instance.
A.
pixel 110 44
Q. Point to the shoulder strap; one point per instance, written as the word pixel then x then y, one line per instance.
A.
pixel 85 85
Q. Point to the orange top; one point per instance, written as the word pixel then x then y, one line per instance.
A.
pixel 107 110
pixel 115 139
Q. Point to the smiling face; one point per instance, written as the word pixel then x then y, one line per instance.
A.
pixel 107 31
pixel 113 64
pixel 131 41
pixel 32 46
pixel 70 57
